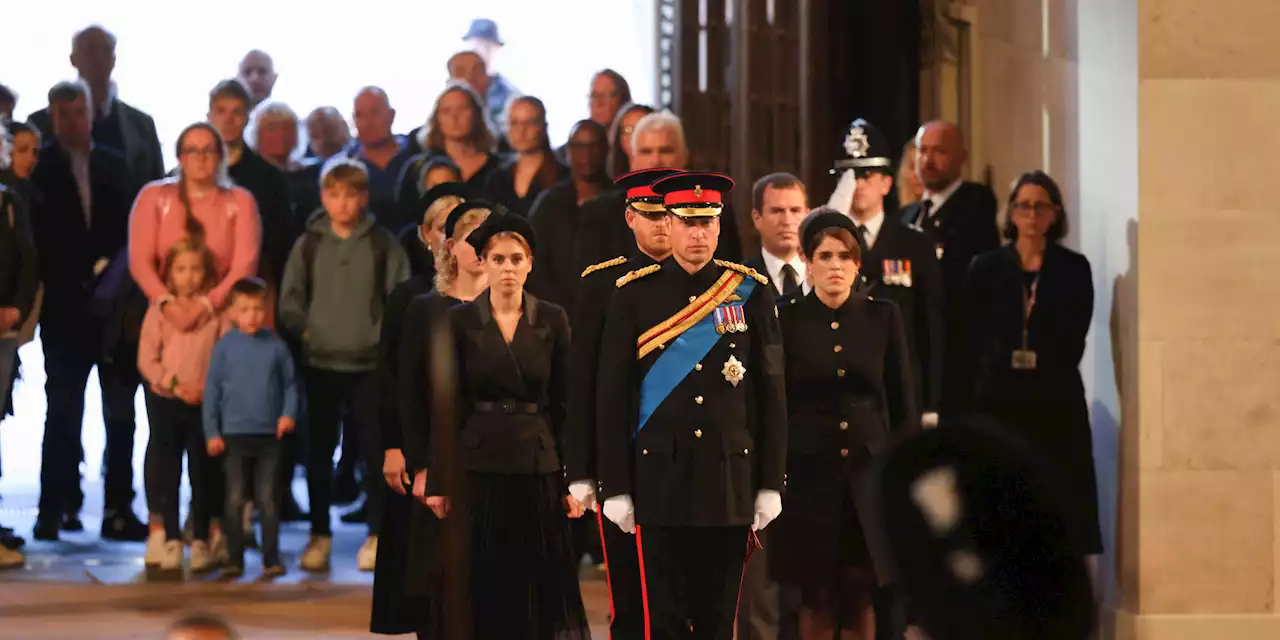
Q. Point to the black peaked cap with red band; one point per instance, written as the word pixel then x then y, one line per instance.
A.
pixel 694 194
pixel 639 188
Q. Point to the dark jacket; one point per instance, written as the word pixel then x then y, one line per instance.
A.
pixel 511 399
pixel 304 193
pixel 1045 405
pixel 270 191
pixel 850 396
pixel 389 351
pixel 410 185
pixel 421 262
pixel 919 297
pixel 501 188
pixel 555 218
pixel 140 144
pixel 595 290
pixel 18 278
pixel 424 328
pixel 68 242
pixel 710 445
pixel 964 227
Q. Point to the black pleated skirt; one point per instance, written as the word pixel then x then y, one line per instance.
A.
pixel 523 578
pixel 397 609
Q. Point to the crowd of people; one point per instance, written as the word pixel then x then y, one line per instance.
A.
pixel 410 299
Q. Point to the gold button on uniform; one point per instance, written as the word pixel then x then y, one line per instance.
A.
pixel 835 325
pixel 838 348
pixel 844 426
pixel 839 373
pixel 733 346
pixel 697 433
pixel 844 453
pixel 745 452
pixel 698 399
pixel 697 367
pixel 645 452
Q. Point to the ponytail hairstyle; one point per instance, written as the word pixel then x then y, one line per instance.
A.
pixel 189 245
pixel 195 230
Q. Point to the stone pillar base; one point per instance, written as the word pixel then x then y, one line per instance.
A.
pixel 1122 625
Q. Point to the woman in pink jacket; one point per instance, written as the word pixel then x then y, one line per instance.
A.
pixel 200 205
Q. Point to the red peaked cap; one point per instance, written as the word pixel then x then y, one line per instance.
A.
pixel 639 183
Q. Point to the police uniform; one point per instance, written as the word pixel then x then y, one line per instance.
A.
pixel 595 290
pixel 692 413
pixel 901 266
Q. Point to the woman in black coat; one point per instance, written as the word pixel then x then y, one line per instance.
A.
pixel 406 578
pixel 850 395
pixel 511 358
pixel 532 167
pixel 1031 306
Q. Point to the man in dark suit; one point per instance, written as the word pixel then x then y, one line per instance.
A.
pixel 81 230
pixel 658 141
pixel 959 218
pixel 692 438
pixel 898 264
pixel 115 123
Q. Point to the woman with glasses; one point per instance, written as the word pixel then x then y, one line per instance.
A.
pixel 1031 303
pixel 532 167
pixel 609 92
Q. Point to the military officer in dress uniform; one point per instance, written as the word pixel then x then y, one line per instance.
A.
pixel 691 409
pixel 647 217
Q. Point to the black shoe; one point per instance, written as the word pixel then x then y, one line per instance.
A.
pixel 46 529
pixel 345 488
pixel 290 511
pixel 12 541
pixel 71 522
pixel 359 516
pixel 123 526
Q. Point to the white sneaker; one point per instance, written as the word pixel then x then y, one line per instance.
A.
pixel 316 556
pixel 171 559
pixel 218 552
pixel 155 548
pixel 201 557
pixel 11 559
pixel 367 558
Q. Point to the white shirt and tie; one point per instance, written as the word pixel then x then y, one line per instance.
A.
pixel 775 267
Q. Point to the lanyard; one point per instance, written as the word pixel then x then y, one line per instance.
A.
pixel 1028 305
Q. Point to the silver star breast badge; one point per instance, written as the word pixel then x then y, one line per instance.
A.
pixel 733 371
pixel 856 143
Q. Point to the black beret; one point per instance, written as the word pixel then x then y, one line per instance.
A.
pixel 451 222
pixel 820 219
pixel 501 222
pixel 457 189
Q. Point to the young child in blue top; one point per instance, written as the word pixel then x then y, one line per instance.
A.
pixel 250 403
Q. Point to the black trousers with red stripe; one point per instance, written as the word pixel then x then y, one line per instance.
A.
pixel 691 577
pixel 626 600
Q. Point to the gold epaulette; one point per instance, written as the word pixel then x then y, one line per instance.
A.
pixel 632 276
pixel 744 270
pixel 603 265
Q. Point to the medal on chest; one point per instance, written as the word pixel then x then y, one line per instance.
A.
pixel 730 318
pixel 733 371
pixel 896 272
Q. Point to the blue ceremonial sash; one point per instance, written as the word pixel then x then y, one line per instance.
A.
pixel 679 358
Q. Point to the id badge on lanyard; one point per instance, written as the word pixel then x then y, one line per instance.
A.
pixel 1024 359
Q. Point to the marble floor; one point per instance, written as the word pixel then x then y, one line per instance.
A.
pixel 82 587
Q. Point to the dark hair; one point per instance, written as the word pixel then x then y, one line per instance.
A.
pixel 233 88
pixel 8 95
pixel 466 52
pixel 252 286
pixel 1058 230
pixel 624 88
pixel 549 171
pixel 202 622
pixel 481 136
pixel 839 234
pixel 67 91
pixel 777 181
pixel 602 134
pixel 16 128
pixel 619 163
pixel 195 230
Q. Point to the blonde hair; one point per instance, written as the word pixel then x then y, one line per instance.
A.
pixel 446 264
pixel 345 171
pixel 270 112
pixel 434 216
pixel 906 183
pixel 188 245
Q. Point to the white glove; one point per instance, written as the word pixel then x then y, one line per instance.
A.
pixel 842 198
pixel 584 491
pixel 620 511
pixel 929 419
pixel 768 507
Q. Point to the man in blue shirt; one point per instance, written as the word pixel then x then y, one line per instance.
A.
pixel 497 90
pixel 382 153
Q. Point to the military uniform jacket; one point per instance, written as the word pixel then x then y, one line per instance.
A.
pixel 708 446
pixel 510 399
pixel 595 291
pixel 901 267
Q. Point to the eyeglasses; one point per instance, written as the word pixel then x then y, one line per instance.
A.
pixel 1038 208
pixel 201 151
